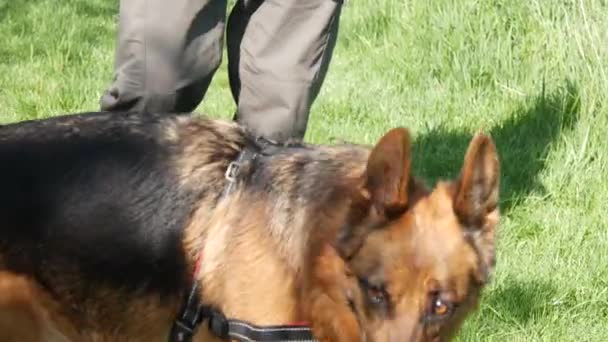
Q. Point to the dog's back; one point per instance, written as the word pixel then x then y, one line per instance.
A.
pixel 80 189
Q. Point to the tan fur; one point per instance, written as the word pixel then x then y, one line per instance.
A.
pixel 27 314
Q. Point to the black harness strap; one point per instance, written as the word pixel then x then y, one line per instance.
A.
pixel 193 313
pixel 246 332
pixel 243 331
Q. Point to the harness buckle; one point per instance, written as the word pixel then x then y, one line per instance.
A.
pixel 232 171
pixel 181 332
pixel 218 324
pixel 184 327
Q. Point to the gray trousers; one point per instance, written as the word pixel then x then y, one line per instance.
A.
pixel 278 55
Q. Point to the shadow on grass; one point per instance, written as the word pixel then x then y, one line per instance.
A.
pixel 522 142
pixel 520 302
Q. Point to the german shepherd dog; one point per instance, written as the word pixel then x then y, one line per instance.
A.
pixel 109 220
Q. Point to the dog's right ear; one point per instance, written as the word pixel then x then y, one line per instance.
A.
pixel 388 173
pixel 476 199
pixel 386 184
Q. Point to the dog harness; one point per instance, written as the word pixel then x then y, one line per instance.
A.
pixel 193 312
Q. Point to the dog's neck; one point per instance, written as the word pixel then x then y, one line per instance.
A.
pixel 286 194
pixel 264 226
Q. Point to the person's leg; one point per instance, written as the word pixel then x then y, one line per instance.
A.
pixel 278 62
pixel 236 25
pixel 166 54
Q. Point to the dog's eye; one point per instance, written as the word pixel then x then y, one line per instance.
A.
pixel 376 294
pixel 439 307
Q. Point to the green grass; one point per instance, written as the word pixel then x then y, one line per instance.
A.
pixel 533 74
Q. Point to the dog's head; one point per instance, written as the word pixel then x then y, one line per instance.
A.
pixel 421 256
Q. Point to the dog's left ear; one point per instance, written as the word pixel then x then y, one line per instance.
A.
pixel 476 197
pixel 477 190
pixel 388 172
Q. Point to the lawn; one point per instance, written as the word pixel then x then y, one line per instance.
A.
pixel 533 74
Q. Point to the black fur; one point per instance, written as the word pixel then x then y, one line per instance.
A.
pixel 95 189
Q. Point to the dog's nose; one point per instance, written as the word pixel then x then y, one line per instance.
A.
pixel 405 330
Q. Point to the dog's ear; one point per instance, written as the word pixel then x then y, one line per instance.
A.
pixel 476 198
pixel 385 186
pixel 388 173
pixel 478 183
